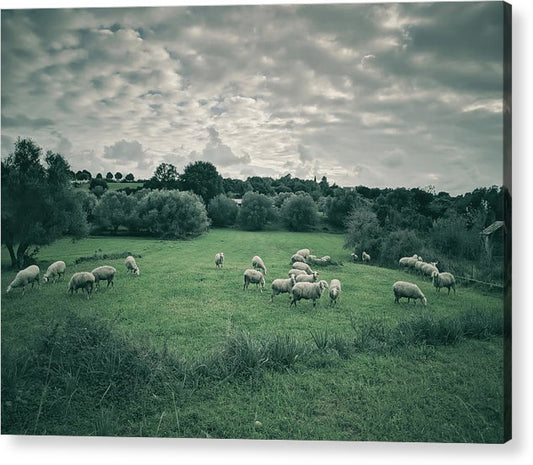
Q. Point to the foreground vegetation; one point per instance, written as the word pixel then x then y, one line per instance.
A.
pixel 183 351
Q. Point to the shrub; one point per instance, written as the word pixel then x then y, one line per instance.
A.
pixel 299 213
pixel 223 211
pixel 363 231
pixel 113 210
pixel 171 214
pixel 255 212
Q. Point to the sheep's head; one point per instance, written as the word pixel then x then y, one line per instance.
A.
pixel 424 301
pixel 45 278
pixel 434 274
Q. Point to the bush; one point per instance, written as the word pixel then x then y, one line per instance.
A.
pixel 299 213
pixel 363 231
pixel 400 244
pixel 113 210
pixel 171 214
pixel 223 211
pixel 255 212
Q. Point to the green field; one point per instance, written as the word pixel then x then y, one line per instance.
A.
pixel 183 351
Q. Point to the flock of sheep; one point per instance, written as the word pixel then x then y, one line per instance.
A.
pixel 84 280
pixel 302 281
pixel 412 291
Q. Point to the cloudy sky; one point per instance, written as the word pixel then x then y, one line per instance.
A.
pixel 375 94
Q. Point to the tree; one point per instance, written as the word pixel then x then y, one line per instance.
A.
pixel 165 177
pixel 129 177
pixel 299 212
pixel 83 175
pixel 99 176
pixel 113 210
pixel 202 178
pixel 363 232
pixel 98 186
pixel 38 202
pixel 255 212
pixel 171 214
pixel 109 176
pixel 222 211
pixel 118 175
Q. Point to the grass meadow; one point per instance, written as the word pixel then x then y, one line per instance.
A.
pixel 183 351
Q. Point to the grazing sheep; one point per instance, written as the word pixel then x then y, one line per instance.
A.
pixel 295 272
pixel 443 280
pixel 409 290
pixel 409 262
pixel 132 266
pixel 418 266
pixel 56 269
pixel 219 260
pixel 25 277
pixel 309 291
pixel 297 258
pixel 354 257
pixel 280 286
pixel 365 257
pixel 82 280
pixel 304 253
pixel 427 269
pixel 258 263
pixel 254 277
pixel 302 266
pixel 334 290
pixel 104 273
pixel 307 278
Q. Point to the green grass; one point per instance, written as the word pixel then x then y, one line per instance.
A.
pixel 182 350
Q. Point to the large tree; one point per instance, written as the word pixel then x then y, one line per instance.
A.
pixel 38 202
pixel 202 178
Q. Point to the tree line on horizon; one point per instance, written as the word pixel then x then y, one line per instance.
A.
pixel 40 203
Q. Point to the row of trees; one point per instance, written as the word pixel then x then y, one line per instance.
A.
pixel 40 204
pixel 84 175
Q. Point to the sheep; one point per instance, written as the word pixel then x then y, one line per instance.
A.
pixel 297 258
pixel 279 286
pixel 56 269
pixel 418 266
pixel 307 278
pixel 443 280
pixel 254 277
pixel 81 280
pixel 295 272
pixel 365 257
pixel 304 253
pixel 132 266
pixel 104 273
pixel 309 291
pixel 302 266
pixel 258 263
pixel 409 261
pixel 24 277
pixel 429 268
pixel 219 260
pixel 409 290
pixel 353 257
pixel 334 290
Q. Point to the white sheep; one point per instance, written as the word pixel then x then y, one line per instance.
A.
pixel 295 272
pixel 309 291
pixel 254 277
pixel 55 270
pixel 408 290
pixel 131 265
pixel 280 286
pixel 307 278
pixel 354 257
pixel 304 253
pixel 297 258
pixel 24 277
pixel 443 280
pixel 257 263
pixel 334 290
pixel 219 260
pixel 81 280
pixel 409 261
pixel 302 266
pixel 365 257
pixel 104 273
pixel 427 269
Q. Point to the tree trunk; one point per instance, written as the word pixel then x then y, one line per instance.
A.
pixel 12 255
pixel 21 253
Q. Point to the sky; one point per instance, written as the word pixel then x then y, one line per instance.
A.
pixel 377 94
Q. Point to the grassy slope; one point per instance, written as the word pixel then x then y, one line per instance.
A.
pixel 183 302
